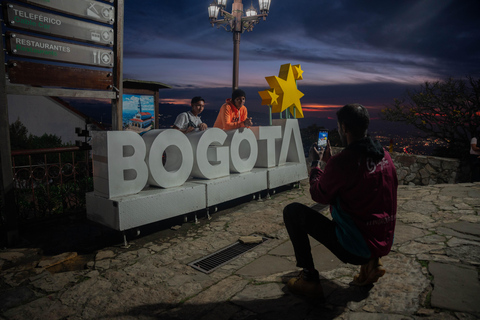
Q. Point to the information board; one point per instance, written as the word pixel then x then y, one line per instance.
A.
pixel 42 48
pixel 88 9
pixel 38 21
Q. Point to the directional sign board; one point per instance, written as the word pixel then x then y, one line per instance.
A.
pixel 44 75
pixel 88 9
pixel 42 48
pixel 37 21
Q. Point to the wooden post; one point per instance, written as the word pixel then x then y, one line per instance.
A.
pixel 117 104
pixel 8 211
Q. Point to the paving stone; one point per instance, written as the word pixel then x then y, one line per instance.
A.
pixel 415 218
pixel 471 218
pixel 44 308
pixel 465 227
pixel 456 191
pixel 432 239
pixel 52 261
pixel 105 254
pixel 455 242
pixel 270 302
pixel 419 206
pixel 214 296
pixel 416 248
pixel 224 311
pixel 267 265
pixel 55 282
pixel 445 230
pixel 373 316
pixel 464 253
pixel 404 233
pixel 455 287
pixel 16 296
pixel 323 258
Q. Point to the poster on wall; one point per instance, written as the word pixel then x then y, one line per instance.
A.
pixel 138 113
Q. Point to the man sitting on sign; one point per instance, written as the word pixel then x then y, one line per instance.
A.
pixel 233 113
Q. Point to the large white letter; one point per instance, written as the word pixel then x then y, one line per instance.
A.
pixel 266 137
pixel 243 149
pixel 179 157
pixel 211 158
pixel 118 163
pixel 292 148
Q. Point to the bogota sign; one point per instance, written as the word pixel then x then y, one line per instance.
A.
pixel 165 173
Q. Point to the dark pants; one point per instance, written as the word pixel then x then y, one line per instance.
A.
pixel 302 221
pixel 475 167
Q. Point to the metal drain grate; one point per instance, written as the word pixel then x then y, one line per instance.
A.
pixel 223 256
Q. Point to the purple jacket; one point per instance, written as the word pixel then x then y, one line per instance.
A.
pixel 360 184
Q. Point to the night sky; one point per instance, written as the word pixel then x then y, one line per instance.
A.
pixel 368 52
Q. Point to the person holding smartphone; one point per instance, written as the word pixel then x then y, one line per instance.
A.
pixel 360 185
pixel 190 121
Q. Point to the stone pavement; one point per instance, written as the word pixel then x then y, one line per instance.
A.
pixel 432 271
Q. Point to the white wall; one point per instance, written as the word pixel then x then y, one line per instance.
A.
pixel 43 115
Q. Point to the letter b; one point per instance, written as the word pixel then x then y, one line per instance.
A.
pixel 118 163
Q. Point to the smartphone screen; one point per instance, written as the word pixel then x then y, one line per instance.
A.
pixel 322 139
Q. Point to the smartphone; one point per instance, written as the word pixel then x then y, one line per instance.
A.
pixel 322 139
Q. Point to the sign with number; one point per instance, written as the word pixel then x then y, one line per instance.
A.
pixel 33 20
pixel 88 9
pixel 42 48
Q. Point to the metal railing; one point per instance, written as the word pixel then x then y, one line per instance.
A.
pixel 50 182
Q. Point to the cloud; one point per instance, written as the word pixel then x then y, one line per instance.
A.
pixel 366 49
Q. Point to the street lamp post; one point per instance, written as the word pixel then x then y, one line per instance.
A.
pixel 237 23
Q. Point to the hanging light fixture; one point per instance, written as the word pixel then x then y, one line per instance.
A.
pixel 251 11
pixel 213 11
pixel 264 5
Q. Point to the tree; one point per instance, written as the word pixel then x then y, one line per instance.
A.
pixel 21 139
pixel 447 110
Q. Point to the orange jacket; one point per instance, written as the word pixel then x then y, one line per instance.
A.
pixel 229 117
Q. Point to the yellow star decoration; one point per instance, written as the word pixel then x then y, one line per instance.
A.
pixel 269 96
pixel 297 72
pixel 283 93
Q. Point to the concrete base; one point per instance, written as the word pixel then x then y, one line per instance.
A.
pixel 150 205
pixel 234 186
pixel 288 173
pixel 156 204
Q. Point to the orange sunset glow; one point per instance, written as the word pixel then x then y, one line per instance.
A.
pixel 320 107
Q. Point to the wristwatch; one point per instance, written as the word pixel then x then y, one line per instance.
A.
pixel 314 163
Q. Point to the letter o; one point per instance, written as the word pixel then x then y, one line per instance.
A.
pixel 179 157
pixel 243 150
